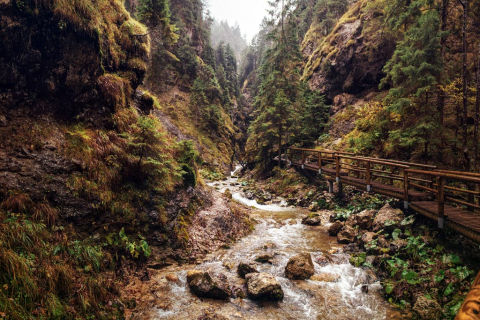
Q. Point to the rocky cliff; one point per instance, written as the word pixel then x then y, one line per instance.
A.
pixel 347 64
pixel 350 59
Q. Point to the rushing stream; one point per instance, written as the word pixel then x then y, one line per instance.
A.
pixel 336 292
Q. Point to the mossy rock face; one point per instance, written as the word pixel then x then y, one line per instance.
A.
pixel 351 58
pixel 59 50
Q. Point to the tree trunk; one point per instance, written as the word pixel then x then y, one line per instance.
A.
pixel 443 39
pixel 465 4
pixel 477 111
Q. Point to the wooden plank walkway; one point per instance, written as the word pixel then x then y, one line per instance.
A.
pixel 452 198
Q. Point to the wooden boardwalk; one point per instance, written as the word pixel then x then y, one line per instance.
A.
pixel 452 198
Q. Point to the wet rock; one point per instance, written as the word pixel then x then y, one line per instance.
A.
pixel 300 267
pixel 245 268
pixel 265 258
pixel 426 308
pixel 367 237
pixel 209 284
pixel 172 278
pixel 228 194
pixel 346 235
pixel 387 217
pixel 313 206
pixel 269 245
pixel 371 276
pixel 249 195
pixel 312 220
pixel 211 315
pixel 351 248
pixel 263 286
pixel 325 277
pixel 364 288
pixel 365 219
pixel 239 292
pixel 229 265
pixel 323 260
pixel 335 228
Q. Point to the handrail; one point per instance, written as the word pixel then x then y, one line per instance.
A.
pixel 470 309
pixel 437 173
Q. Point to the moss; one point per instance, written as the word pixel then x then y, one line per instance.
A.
pixel 115 89
pixel 327 47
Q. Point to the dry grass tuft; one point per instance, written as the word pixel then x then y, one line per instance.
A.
pixel 43 212
pixel 17 202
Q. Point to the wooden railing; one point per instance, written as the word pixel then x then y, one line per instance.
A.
pixel 452 198
pixel 426 189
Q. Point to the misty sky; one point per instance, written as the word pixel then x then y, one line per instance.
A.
pixel 247 13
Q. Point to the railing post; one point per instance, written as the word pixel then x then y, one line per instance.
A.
pixel 405 189
pixel 337 168
pixel 303 159
pixel 441 202
pixel 337 175
pixel 368 177
pixel 319 162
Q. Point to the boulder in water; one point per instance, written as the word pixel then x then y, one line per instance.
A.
pixel 265 258
pixel 313 219
pixel 346 235
pixel 263 286
pixel 300 267
pixel 245 268
pixel 209 284
pixel 325 277
pixel 335 228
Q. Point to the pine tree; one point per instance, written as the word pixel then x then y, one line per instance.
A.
pixel 414 70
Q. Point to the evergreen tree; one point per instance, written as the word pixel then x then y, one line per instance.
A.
pixel 413 72
pixel 157 13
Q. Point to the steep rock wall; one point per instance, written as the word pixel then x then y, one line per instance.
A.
pixel 56 50
pixel 351 58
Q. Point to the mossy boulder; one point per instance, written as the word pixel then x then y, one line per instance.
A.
pixel 209 284
pixel 245 268
pixel 300 267
pixel 263 286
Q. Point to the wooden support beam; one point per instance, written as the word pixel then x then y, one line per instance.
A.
pixel 319 163
pixel 405 189
pixel 337 168
pixel 304 155
pixel 441 202
pixel 368 176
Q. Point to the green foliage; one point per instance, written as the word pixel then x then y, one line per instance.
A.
pixel 40 271
pixel 157 13
pixel 292 113
pixel 122 244
pixel 327 13
pixel 148 164
pixel 188 160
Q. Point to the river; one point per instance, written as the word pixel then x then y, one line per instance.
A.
pixel 336 293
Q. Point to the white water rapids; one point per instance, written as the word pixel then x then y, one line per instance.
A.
pixel 279 232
